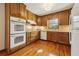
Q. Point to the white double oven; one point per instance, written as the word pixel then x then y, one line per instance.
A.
pixel 17 32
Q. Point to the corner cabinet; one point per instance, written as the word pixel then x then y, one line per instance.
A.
pixel 59 37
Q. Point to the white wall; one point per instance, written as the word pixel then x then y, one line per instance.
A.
pixel 2 26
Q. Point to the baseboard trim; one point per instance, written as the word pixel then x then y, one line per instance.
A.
pixel 2 50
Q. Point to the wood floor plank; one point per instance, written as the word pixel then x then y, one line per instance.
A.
pixel 43 48
pixel 61 50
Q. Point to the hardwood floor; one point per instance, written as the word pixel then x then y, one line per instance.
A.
pixel 43 48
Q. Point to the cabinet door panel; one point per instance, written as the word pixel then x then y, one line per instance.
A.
pixel 14 9
pixel 49 36
pixel 64 38
pixel 52 36
pixel 39 21
pixel 44 21
pixel 55 36
pixel 22 10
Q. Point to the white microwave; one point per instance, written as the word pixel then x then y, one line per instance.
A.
pixel 17 25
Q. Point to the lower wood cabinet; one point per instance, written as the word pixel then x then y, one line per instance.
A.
pixel 32 36
pixel 60 37
pixel 63 37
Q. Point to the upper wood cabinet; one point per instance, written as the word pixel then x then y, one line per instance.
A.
pixel 39 21
pixel 22 11
pixel 34 17
pixel 14 9
pixel 18 10
pixel 44 21
pixel 31 16
pixel 63 17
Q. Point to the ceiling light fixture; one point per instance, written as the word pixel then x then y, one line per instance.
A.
pixel 47 6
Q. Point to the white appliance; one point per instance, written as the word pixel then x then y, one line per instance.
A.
pixel 75 36
pixel 17 32
pixel 17 25
pixel 43 35
pixel 17 39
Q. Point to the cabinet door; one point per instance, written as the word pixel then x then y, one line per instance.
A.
pixel 44 21
pixel 22 11
pixel 14 9
pixel 63 37
pixel 34 17
pixel 28 37
pixel 49 36
pixel 39 21
pixel 53 36
pixel 29 16
pixel 64 17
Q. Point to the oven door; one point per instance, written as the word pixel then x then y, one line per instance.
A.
pixel 17 40
pixel 17 27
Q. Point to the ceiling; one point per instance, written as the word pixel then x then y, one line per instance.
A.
pixel 40 8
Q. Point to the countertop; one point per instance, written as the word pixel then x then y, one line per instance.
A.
pixel 62 28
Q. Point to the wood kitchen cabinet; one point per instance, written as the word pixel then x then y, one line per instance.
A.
pixel 63 17
pixel 39 21
pixel 18 10
pixel 29 16
pixel 32 36
pixel 44 21
pixel 14 9
pixel 52 36
pixel 22 11
pixel 34 17
pixel 60 37
pixel 63 37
